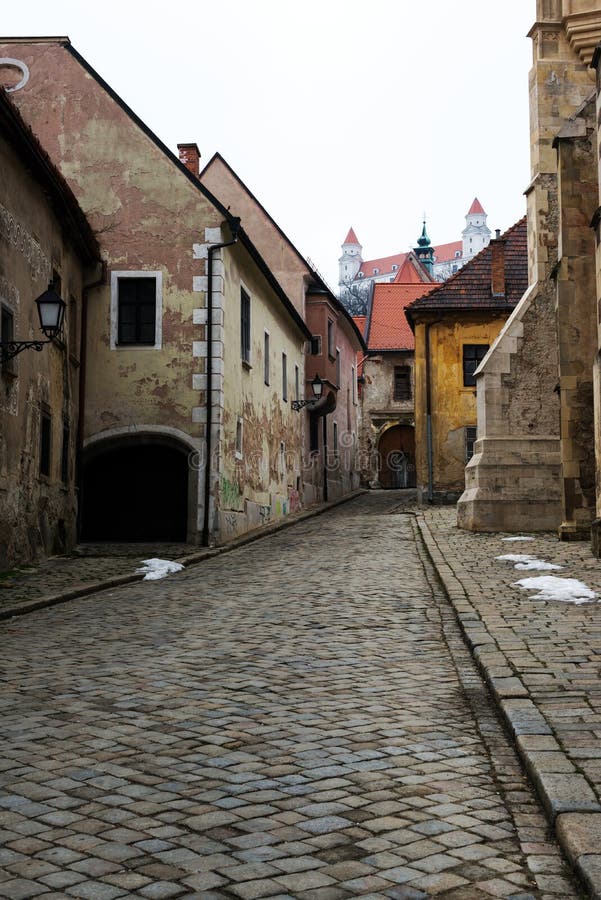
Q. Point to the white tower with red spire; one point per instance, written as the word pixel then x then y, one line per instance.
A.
pixel 351 260
pixel 476 234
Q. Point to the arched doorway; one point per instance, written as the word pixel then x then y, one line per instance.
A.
pixel 396 449
pixel 135 490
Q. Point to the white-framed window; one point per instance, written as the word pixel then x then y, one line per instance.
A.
pixel 136 309
pixel 284 377
pixel 239 437
pixel 7 333
pixel 282 459
pixel 394 267
pixel 244 326
pixel 266 372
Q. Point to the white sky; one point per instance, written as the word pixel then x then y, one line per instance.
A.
pixel 333 112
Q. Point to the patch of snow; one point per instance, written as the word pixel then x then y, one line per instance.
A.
pixel 519 538
pixel 549 587
pixel 526 563
pixel 158 568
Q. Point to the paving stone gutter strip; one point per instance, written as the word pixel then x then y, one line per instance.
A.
pixel 192 559
pixel 569 801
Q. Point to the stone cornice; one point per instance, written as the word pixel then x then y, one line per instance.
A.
pixel 583 31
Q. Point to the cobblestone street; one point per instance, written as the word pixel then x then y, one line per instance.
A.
pixel 296 718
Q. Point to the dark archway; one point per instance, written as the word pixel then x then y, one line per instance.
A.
pixel 396 448
pixel 135 491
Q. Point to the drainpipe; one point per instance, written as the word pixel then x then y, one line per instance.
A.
pixel 83 337
pixel 429 416
pixel 234 225
pixel 325 457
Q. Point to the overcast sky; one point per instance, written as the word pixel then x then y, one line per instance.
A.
pixel 334 112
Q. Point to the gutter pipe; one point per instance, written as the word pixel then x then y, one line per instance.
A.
pixel 429 417
pixel 234 225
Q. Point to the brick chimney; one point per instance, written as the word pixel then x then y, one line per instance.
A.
pixel 189 155
pixel 497 265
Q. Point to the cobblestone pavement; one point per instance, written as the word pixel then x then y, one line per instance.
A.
pixel 296 718
pixel 543 661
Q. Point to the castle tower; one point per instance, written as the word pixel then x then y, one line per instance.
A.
pixel 476 234
pixel 351 260
pixel 425 251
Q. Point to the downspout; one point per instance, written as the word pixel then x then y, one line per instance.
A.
pixel 429 417
pixel 325 457
pixel 234 224
pixel 83 338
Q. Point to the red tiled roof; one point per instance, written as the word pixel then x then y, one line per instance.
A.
pixel 384 264
pixel 388 326
pixel 470 287
pixel 446 252
pixel 351 237
pixel 476 208
pixel 411 272
pixel 360 323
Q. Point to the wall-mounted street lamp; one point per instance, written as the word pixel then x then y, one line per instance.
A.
pixel 51 310
pixel 317 385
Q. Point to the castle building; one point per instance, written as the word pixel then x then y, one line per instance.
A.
pixel 356 275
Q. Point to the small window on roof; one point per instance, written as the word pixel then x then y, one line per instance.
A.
pixel 360 274
pixel 376 271
pixel 394 267
pixel 457 254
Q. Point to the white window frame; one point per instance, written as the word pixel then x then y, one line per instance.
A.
pixel 158 325
pixel 239 451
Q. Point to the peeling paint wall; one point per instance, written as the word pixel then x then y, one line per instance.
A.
pixel 453 404
pixel 37 511
pixel 260 439
pixel 379 410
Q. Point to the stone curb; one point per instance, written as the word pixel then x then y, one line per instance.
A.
pixel 191 560
pixel 569 801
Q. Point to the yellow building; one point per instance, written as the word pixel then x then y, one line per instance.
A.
pixel 454 326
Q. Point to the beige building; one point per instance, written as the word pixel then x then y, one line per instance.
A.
pixel 182 437
pixel 44 238
pixel 534 462
pixel 330 427
pixel 387 376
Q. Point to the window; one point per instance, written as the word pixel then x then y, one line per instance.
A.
pixel 314 434
pixel 376 271
pixel 296 383
pixel 72 325
pixel 7 333
pixel 239 437
pixel 338 367
pixel 473 354
pixel 394 267
pixel 244 326
pixel 266 372
pixel 457 254
pixel 330 338
pixel 284 377
pixel 65 452
pixel 402 383
pixel 137 311
pixel 45 442
pixel 316 345
pixel 471 435
pixel 282 459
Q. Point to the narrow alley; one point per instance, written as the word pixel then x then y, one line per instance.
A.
pixel 297 718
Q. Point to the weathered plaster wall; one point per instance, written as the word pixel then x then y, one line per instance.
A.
pixel 37 512
pixel 379 409
pixel 453 405
pixel 263 482
pixel 148 216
